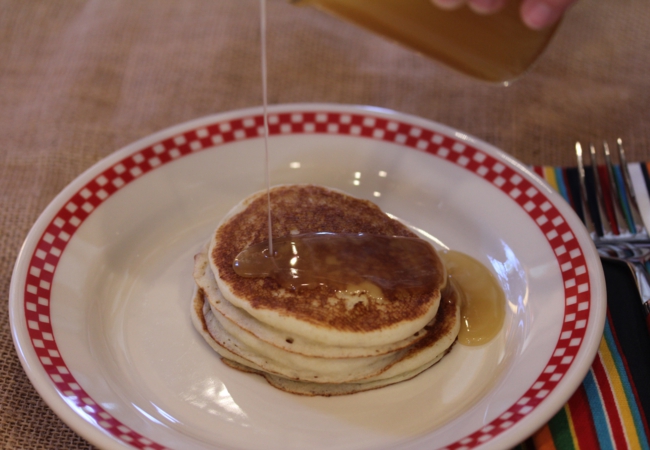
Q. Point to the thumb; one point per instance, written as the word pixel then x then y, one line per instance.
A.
pixel 538 14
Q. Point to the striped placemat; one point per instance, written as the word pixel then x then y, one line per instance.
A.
pixel 566 181
pixel 611 408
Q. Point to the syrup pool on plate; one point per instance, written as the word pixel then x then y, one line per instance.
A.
pixel 482 299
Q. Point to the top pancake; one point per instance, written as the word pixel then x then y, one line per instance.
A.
pixel 319 314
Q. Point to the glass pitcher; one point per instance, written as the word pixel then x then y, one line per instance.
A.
pixel 496 47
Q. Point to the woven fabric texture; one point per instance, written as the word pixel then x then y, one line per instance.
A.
pixel 80 79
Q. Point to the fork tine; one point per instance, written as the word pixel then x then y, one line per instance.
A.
pixel 589 223
pixel 630 195
pixel 602 212
pixel 614 195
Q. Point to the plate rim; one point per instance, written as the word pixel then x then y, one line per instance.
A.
pixel 72 415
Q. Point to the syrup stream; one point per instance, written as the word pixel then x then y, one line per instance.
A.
pixel 266 121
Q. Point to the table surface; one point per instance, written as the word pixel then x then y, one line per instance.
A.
pixel 81 79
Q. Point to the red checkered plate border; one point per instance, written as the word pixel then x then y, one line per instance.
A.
pixel 36 267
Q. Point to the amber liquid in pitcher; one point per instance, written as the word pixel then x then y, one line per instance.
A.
pixel 496 47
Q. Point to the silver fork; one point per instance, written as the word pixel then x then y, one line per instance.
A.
pixel 616 239
pixel 616 229
pixel 637 258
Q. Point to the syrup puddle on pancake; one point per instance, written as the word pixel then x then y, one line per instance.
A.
pixel 341 260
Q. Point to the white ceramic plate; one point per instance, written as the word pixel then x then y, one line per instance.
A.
pixel 101 290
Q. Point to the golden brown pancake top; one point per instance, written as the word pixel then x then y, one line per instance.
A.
pixel 311 209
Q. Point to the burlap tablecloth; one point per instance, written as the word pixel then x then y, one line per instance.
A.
pixel 80 79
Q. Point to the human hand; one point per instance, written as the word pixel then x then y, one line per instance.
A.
pixel 536 14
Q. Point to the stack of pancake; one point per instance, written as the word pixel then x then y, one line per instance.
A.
pixel 317 341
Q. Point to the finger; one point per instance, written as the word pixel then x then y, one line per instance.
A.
pixel 538 14
pixel 486 6
pixel 448 4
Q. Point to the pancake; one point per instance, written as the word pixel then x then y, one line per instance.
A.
pixel 328 318
pixel 327 390
pixel 442 332
pixel 331 365
pixel 205 280
pixel 327 339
